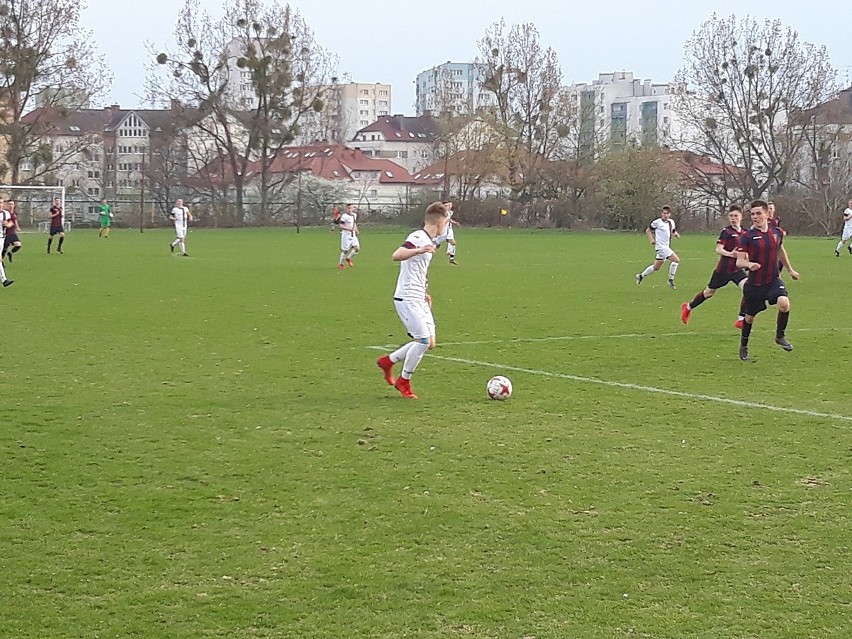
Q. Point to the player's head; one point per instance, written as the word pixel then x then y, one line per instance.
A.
pixel 57 201
pixel 770 206
pixel 759 211
pixel 179 202
pixel 447 205
pixel 10 203
pixel 349 207
pixel 436 215
pixel 666 213
pixel 735 214
pixel 850 204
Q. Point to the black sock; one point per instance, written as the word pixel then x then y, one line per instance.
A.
pixel 49 242
pixel 744 335
pixel 61 240
pixel 698 299
pixel 783 318
pixel 15 249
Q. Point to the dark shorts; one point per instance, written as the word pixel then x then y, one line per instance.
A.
pixel 11 238
pixel 756 297
pixel 718 280
pixel 55 230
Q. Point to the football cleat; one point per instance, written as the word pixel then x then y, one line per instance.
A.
pixel 184 254
pixel 172 248
pixel 672 285
pixel 385 363
pixel 340 267
pixel 349 262
pixel 8 283
pixel 739 323
pixel 685 312
pixel 639 279
pixel 744 353
pixel 849 248
pixel 404 387
pixel 783 343
pixel 836 253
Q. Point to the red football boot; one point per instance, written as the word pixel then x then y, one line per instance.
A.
pixel 386 365
pixel 404 387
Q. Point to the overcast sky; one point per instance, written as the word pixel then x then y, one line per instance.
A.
pixel 392 41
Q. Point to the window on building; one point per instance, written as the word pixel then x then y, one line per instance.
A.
pixel 374 193
pixel 363 102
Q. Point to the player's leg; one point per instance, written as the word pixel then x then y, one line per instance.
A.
pixel 61 241
pixel 779 296
pixel 674 262
pixel 705 294
pixel 417 318
pixel 654 266
pixel 5 280
pixel 354 247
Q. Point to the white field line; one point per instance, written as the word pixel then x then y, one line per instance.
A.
pixel 567 338
pixel 638 387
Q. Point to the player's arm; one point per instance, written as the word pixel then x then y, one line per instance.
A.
pixel 649 235
pixel 188 215
pixel 720 251
pixel 782 255
pixel 847 216
pixel 408 250
pixel 744 262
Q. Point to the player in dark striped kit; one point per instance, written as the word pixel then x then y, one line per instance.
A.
pixel 726 270
pixel 760 252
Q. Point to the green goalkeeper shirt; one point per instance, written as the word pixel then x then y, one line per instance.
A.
pixel 105 211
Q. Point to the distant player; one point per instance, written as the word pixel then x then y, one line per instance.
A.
pixel 5 224
pixel 181 216
pixel 846 233
pixel 449 232
pixel 12 243
pixel 105 218
pixel 412 301
pixel 659 234
pixel 726 270
pixel 349 243
pixel 760 250
pixel 56 227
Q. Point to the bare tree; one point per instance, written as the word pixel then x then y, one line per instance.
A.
pixel 531 109
pixel 254 75
pixel 48 69
pixel 743 80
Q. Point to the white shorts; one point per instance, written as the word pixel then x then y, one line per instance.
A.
pixel 845 234
pixel 416 317
pixel 180 232
pixel 451 234
pixel 348 241
pixel 664 253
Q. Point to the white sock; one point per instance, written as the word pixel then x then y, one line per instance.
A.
pixel 399 354
pixel 3 272
pixel 182 247
pixel 839 246
pixel 412 359
pixel 647 271
pixel 673 269
pixel 451 250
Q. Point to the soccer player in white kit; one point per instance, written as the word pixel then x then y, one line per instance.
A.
pixel 182 217
pixel 659 233
pixel 6 225
pixel 349 244
pixel 449 232
pixel 412 301
pixel 846 233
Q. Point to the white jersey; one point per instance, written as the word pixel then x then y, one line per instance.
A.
pixel 847 222
pixel 181 216
pixel 5 216
pixel 663 230
pixel 412 281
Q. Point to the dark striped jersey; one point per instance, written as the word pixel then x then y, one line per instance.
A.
pixel 728 238
pixel 764 248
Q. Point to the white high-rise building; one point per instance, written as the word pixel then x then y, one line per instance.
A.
pixel 617 110
pixel 452 87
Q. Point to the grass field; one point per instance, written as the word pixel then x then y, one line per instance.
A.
pixel 204 447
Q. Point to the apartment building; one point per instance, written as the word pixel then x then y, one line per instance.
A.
pixel 406 141
pixel 451 87
pixel 618 109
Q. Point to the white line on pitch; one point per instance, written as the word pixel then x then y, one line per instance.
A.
pixel 639 387
pixel 566 338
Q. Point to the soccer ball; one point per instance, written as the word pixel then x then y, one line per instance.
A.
pixel 499 387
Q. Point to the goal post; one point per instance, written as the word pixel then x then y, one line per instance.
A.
pixel 29 198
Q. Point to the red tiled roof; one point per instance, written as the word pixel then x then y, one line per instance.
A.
pixel 328 161
pixel 401 128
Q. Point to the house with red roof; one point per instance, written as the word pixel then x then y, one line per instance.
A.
pixel 407 141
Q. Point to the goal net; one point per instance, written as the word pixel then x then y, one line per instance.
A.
pixel 32 205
